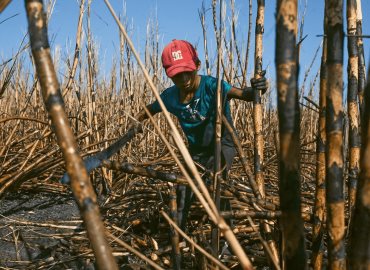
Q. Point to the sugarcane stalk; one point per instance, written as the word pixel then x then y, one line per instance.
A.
pixel 176 256
pixel 80 183
pixel 361 57
pixel 334 135
pixel 359 255
pixel 257 107
pixel 353 108
pixel 293 241
pixel 319 204
pixel 257 119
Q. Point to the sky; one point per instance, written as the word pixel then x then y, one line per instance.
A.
pixel 176 18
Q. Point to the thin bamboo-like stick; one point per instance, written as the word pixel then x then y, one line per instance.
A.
pixel 202 15
pixel 215 239
pixel 81 186
pixel 334 135
pixel 77 53
pixel 353 108
pixel 359 255
pixel 245 70
pixel 293 246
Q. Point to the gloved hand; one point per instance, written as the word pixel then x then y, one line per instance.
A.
pixel 261 83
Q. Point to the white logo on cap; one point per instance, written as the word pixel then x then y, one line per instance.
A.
pixel 177 55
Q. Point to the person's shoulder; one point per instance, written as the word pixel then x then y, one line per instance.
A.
pixel 169 90
pixel 209 80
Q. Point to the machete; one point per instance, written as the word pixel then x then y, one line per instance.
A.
pixel 96 160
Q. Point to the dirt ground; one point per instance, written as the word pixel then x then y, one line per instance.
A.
pixel 43 230
pixel 33 232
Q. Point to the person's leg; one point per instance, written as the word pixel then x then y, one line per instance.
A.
pixel 228 154
pixel 185 195
pixel 185 198
pixel 180 198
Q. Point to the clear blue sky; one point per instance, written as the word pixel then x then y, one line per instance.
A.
pixel 176 20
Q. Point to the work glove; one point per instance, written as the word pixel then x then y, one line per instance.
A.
pixel 261 83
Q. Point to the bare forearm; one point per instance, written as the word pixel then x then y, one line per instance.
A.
pixel 245 94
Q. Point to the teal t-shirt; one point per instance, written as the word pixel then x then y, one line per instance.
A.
pixel 197 117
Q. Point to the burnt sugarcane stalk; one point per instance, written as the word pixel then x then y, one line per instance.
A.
pixel 361 58
pixel 218 130
pixel 81 186
pixel 240 214
pixel 294 255
pixel 319 205
pixel 257 118
pixel 176 256
pixel 359 250
pixel 145 171
pixel 334 136
pixel 353 110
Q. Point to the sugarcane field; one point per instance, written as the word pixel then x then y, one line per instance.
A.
pixel 214 134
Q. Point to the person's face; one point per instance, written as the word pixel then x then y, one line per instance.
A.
pixel 186 81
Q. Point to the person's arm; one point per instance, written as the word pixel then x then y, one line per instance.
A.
pixel 247 93
pixel 142 115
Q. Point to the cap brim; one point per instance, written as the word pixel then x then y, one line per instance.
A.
pixel 183 67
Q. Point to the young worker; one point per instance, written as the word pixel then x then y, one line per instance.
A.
pixel 192 99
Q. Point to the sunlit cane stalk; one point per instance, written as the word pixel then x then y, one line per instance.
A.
pixel 81 185
pixel 353 108
pixel 361 58
pixel 257 116
pixel 257 107
pixel 359 255
pixel 294 255
pixel 334 135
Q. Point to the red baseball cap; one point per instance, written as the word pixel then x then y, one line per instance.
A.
pixel 179 56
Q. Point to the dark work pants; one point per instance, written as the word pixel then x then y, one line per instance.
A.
pixel 185 195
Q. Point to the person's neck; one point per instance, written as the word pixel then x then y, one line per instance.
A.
pixel 187 96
